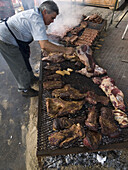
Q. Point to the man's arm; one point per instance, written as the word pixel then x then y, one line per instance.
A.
pixel 50 47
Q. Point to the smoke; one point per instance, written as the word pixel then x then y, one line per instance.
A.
pixel 70 16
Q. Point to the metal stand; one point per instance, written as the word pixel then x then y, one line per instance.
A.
pixel 121 19
pixel 126 25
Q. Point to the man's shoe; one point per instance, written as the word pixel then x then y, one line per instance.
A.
pixel 29 92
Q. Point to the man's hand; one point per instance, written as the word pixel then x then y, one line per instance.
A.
pixel 69 50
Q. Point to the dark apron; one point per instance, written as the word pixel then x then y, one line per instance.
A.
pixel 23 47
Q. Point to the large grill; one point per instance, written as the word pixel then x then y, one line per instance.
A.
pixel 83 84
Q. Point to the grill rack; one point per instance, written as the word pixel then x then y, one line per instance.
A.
pixel 45 124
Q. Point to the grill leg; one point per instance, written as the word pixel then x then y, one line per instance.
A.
pixel 125 32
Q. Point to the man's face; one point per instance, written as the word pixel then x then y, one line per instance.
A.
pixel 48 18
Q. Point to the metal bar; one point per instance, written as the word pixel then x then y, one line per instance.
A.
pixel 121 19
pixel 109 147
pixel 113 12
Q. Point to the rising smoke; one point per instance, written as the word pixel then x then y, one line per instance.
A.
pixel 70 16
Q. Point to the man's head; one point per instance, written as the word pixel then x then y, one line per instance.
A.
pixel 49 10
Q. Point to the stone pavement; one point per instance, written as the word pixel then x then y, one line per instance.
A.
pixel 18 115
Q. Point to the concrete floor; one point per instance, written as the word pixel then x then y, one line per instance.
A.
pixel 18 115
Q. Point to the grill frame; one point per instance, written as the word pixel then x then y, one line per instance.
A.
pixel 43 148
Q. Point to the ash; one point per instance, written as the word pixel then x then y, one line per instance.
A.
pixel 110 159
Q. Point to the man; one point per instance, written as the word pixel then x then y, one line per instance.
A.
pixel 15 35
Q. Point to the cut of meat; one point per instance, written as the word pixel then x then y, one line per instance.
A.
pixel 54 57
pixel 51 85
pixel 108 126
pixel 65 122
pixel 116 96
pixel 68 93
pixel 92 140
pixel 53 77
pixel 57 107
pixel 96 72
pixel 84 54
pixel 91 121
pixel 121 118
pixel 97 80
pixel 93 98
pixel 64 137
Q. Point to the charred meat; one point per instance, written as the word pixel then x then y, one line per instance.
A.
pixel 51 85
pixel 65 122
pixel 91 121
pixel 57 107
pixel 92 140
pixel 64 137
pixel 68 92
pixel 108 126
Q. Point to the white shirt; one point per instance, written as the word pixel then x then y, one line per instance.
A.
pixel 26 25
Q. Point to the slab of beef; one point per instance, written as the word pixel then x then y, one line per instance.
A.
pixel 116 96
pixel 93 98
pixel 56 107
pixel 54 57
pixel 94 18
pixel 91 121
pixel 96 72
pixel 68 92
pixel 107 122
pixel 121 117
pixel 92 139
pixel 53 77
pixel 65 122
pixel 51 85
pixel 84 54
pixel 66 136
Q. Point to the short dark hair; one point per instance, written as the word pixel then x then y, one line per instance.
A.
pixel 50 7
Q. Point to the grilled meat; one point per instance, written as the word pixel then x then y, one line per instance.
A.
pixel 108 126
pixel 51 85
pixel 93 98
pixel 68 93
pixel 94 18
pixel 116 96
pixel 121 117
pixel 65 123
pixel 57 107
pixel 64 137
pixel 54 57
pixel 92 140
pixel 91 121
pixel 53 77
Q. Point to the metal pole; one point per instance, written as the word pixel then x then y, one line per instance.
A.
pixel 121 19
pixel 113 12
